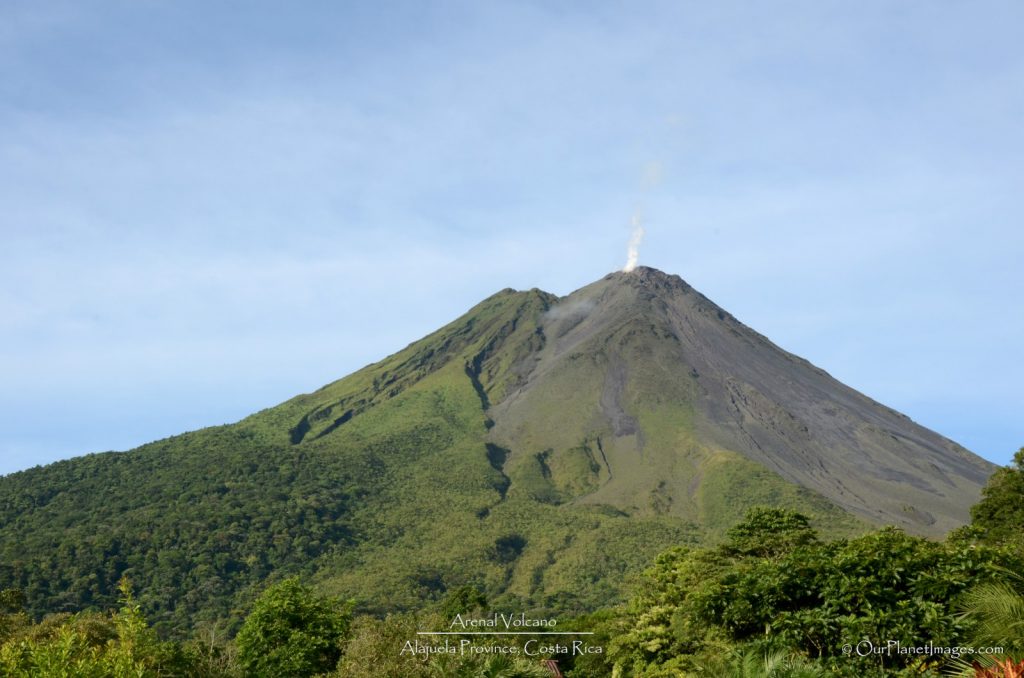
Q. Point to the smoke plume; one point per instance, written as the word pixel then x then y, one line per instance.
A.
pixel 633 250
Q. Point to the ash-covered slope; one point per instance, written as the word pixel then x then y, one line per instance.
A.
pixel 652 381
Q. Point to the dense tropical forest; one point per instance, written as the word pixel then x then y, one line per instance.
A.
pixel 772 599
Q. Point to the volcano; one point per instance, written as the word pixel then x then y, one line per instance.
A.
pixel 658 380
pixel 541 448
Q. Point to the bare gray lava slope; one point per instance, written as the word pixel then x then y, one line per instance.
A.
pixel 654 381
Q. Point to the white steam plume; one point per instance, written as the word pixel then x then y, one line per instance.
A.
pixel 633 251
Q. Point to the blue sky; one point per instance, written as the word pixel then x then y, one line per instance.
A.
pixel 206 208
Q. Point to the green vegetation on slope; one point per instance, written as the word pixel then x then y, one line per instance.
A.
pixel 192 520
pixel 771 600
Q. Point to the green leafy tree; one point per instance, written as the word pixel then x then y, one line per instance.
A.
pixel 374 647
pixel 292 632
pixel 91 645
pixel 774 590
pixel 884 586
pixel 1000 513
pixel 662 634
pixel 684 589
pixel 767 532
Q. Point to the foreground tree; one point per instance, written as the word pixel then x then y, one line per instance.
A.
pixel 291 632
pixel 93 645
pixel 1000 513
pixel 774 588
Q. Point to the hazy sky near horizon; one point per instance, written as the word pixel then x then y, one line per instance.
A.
pixel 206 208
